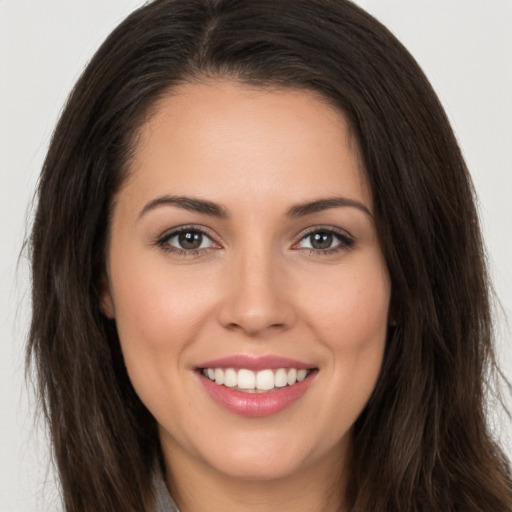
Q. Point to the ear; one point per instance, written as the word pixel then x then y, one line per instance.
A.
pixel 105 298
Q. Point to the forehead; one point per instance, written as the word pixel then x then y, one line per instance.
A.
pixel 217 136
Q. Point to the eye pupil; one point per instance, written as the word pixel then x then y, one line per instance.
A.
pixel 190 239
pixel 321 240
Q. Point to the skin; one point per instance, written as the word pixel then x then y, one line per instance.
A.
pixel 255 287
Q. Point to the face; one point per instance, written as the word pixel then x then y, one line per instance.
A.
pixel 246 280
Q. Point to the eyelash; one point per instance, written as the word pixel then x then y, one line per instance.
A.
pixel 345 241
pixel 163 241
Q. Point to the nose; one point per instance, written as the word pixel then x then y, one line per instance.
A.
pixel 257 297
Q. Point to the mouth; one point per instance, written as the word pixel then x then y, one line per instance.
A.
pixel 262 381
pixel 255 387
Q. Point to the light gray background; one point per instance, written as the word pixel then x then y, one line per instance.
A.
pixel 465 47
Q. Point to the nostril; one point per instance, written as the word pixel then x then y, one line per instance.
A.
pixel 254 327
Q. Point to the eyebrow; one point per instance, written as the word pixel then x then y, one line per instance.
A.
pixel 310 207
pixel 216 210
pixel 187 203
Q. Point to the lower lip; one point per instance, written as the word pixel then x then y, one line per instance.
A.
pixel 256 404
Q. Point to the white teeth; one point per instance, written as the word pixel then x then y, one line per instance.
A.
pixel 301 375
pixel 230 378
pixel 280 378
pixel 265 380
pixel 292 376
pixel 247 380
pixel 219 376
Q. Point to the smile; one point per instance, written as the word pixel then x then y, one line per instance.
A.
pixel 256 386
pixel 249 381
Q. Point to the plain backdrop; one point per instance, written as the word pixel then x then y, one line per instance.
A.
pixel 464 46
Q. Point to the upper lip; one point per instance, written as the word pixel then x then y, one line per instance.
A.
pixel 255 363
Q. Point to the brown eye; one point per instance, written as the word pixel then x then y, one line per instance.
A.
pixel 321 240
pixel 186 240
pixel 190 240
pixel 325 240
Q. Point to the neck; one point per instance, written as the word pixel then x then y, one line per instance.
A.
pixel 196 487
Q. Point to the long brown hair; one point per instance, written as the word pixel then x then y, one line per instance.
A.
pixel 422 443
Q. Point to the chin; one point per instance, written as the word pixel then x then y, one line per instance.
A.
pixel 258 468
pixel 267 456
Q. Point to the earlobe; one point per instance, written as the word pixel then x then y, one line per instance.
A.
pixel 107 306
pixel 105 299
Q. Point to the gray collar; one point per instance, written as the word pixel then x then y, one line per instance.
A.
pixel 163 500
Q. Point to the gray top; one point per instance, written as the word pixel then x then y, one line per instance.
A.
pixel 164 502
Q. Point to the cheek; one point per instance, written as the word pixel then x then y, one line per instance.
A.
pixel 350 308
pixel 158 315
pixel 351 320
pixel 154 307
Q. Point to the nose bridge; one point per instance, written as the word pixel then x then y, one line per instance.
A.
pixel 256 298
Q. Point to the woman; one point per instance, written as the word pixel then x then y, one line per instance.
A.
pixel 258 278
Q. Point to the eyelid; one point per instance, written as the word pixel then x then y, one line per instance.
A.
pixel 346 239
pixel 162 240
